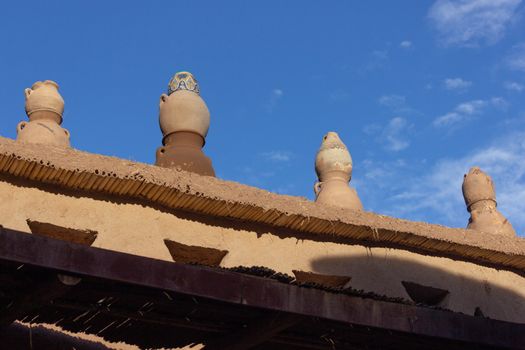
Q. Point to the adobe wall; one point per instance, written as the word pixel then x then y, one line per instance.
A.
pixel 140 229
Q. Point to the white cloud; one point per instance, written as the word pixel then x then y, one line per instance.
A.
pixel 380 55
pixel 513 86
pixel 377 60
pixel 277 156
pixel 278 92
pixel 472 22
pixel 468 110
pixel 393 101
pixel 276 95
pixel 393 135
pixel 396 103
pixel 499 103
pixel 471 107
pixel 457 84
pixel 437 196
pixel 516 59
pixel 339 95
pixel 405 44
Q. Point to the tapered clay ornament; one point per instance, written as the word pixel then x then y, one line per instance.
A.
pixel 480 198
pixel 184 121
pixel 333 165
pixel 44 108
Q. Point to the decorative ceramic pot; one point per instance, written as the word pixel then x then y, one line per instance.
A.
pixel 44 102
pixel 487 218
pixel 477 186
pixel 333 165
pixel 43 131
pixel 183 109
pixel 332 156
pixel 480 198
pixel 183 81
pixel 184 150
pixel 335 191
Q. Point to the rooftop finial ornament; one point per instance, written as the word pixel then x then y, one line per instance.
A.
pixel 44 108
pixel 184 122
pixel 183 81
pixel 333 165
pixel 480 198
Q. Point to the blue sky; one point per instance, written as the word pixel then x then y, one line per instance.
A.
pixel 418 90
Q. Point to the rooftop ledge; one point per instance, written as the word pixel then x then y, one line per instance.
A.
pixel 176 189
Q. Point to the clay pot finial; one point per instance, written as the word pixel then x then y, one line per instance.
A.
pixel 184 121
pixel 480 198
pixel 333 165
pixel 183 81
pixel 44 107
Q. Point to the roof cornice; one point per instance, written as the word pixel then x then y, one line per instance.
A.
pixel 81 171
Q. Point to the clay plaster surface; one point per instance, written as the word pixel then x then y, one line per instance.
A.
pixel 140 229
pixel 78 171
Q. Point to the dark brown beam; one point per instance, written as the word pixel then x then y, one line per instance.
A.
pixel 146 317
pixel 255 291
pixel 255 333
pixel 40 292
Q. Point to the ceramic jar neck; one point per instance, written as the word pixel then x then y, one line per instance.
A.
pixel 484 204
pixel 45 115
pixel 335 175
pixel 183 139
pixel 44 102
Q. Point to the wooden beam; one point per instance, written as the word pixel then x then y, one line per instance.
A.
pixel 39 293
pixel 241 289
pixel 256 333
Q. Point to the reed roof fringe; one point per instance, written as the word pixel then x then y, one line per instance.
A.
pixel 177 189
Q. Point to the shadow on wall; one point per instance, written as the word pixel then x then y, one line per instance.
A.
pixel 471 289
pixel 457 286
pixel 229 223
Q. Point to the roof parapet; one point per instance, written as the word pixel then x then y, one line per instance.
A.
pixel 184 121
pixel 333 165
pixel 480 198
pixel 44 107
pixel 209 196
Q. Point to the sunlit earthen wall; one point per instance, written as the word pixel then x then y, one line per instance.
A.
pixel 139 228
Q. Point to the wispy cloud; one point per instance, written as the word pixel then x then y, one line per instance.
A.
pixel 275 96
pixel 339 95
pixel 457 84
pixel 468 110
pixel 437 197
pixel 513 86
pixel 277 156
pixel 393 135
pixel 470 23
pixel 377 60
pixel 377 173
pixel 396 103
pixel 393 101
pixel 516 58
pixel 405 44
pixel 267 170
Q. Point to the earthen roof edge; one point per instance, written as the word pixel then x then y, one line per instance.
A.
pixel 175 189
